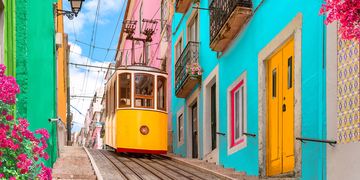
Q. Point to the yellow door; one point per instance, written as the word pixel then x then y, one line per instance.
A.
pixel 280 114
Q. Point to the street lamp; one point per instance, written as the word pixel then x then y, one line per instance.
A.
pixel 75 9
pixel 76 6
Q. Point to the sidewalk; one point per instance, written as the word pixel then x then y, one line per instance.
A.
pixel 73 163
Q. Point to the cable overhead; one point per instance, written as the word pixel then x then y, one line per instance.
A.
pixel 86 75
pixel 116 27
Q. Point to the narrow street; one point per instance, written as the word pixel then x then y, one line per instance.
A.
pixel 179 89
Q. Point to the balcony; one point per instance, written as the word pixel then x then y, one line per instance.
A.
pixel 227 18
pixel 184 83
pixel 182 6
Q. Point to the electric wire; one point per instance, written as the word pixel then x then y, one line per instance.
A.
pixel 116 27
pixel 91 49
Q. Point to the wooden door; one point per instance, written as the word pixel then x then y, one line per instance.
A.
pixel 280 114
pixel 194 120
pixel 213 117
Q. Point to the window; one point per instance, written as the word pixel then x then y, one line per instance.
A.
pixel 140 17
pixel 124 90
pixel 180 127
pixel 147 52
pixel 114 97
pixel 164 13
pixel 178 49
pixel 193 30
pixel 144 90
pixel 237 114
pixel 290 71
pixel 161 93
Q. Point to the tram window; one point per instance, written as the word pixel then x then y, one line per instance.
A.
pixel 161 91
pixel 124 90
pixel 144 90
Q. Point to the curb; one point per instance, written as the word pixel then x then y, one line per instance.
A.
pixel 222 176
pixel 96 169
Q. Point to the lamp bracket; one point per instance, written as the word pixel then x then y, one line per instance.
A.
pixel 69 14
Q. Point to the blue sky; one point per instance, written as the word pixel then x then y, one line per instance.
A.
pixel 86 81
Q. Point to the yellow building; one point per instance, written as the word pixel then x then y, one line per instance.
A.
pixel 62 60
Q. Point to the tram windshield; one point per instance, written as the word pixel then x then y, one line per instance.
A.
pixel 144 90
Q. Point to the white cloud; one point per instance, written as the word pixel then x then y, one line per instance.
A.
pixel 92 82
pixel 88 12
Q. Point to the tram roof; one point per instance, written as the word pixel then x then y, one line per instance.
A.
pixel 141 68
pixel 145 69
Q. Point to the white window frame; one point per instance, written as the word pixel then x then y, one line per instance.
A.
pixel 193 19
pixel 238 145
pixel 180 140
pixel 179 42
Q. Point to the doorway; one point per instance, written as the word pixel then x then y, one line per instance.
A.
pixel 213 116
pixel 280 149
pixel 194 130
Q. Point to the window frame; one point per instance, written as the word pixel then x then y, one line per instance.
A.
pixel 180 139
pixel 165 92
pixel 179 43
pixel 193 19
pixel 119 93
pixel 136 96
pixel 236 144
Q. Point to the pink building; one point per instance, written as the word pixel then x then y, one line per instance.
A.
pixel 145 39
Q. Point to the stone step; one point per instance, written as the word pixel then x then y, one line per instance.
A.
pixel 73 176
pixel 73 160
pixel 79 171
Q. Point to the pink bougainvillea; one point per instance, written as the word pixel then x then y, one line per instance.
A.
pixel 347 13
pixel 21 150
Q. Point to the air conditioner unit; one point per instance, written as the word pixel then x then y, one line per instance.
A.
pixel 58 40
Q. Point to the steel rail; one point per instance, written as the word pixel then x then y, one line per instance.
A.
pixel 191 173
pixel 146 168
pixel 120 170
pixel 163 168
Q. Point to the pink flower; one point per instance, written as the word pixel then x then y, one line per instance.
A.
pixel 9 117
pixel 43 132
pixel 45 173
pixel 2 69
pixel 4 112
pixel 2 175
pixel 12 178
pixel 347 13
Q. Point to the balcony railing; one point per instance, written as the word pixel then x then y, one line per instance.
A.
pixel 183 83
pixel 226 19
pixel 182 6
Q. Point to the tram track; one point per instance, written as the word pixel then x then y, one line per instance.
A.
pixel 150 167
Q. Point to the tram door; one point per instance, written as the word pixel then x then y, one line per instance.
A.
pixel 194 130
pixel 280 124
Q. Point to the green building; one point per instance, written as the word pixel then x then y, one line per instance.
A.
pixel 30 55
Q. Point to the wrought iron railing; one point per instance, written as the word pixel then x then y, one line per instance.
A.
pixel 221 11
pixel 189 55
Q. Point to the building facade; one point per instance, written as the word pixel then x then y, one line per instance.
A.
pixel 342 105
pixel 258 95
pixel 36 66
pixel 93 123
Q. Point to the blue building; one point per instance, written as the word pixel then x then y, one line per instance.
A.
pixel 261 88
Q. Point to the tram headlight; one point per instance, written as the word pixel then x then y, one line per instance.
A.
pixel 144 130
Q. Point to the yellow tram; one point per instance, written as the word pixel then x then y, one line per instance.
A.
pixel 136 110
